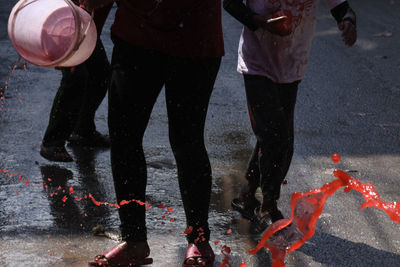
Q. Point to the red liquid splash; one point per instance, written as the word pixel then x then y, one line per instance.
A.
pixel 335 158
pixel 292 233
pixel 3 88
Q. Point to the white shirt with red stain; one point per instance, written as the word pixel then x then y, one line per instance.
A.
pixel 281 59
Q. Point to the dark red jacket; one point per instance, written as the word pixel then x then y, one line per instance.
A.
pixel 100 16
pixel 187 28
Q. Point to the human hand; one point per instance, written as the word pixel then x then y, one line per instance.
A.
pixel 94 4
pixel 349 32
pixel 279 23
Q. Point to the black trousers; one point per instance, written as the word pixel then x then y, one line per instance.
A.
pixel 138 76
pixel 80 94
pixel 271 108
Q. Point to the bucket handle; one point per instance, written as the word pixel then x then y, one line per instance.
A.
pixel 77 20
pixel 77 34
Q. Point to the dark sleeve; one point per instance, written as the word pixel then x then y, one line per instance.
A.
pixel 344 12
pixel 241 12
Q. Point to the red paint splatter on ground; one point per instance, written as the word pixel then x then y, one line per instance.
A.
pixel 229 231
pixel 225 261
pixel 306 209
pixel 27 182
pixel 216 242
pixel 161 206
pixel 71 190
pixel 242 264
pixel 172 219
pixel 64 199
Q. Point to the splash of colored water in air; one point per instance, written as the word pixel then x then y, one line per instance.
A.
pixel 288 235
pixel 4 87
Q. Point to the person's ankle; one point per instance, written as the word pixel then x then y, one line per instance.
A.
pixel 268 205
pixel 136 249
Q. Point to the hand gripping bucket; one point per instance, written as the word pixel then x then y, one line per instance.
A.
pixel 51 33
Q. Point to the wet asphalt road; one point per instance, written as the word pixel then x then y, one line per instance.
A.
pixel 348 103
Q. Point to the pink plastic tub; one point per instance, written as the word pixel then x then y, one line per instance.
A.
pixel 51 33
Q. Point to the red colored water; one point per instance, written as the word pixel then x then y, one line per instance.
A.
pixel 288 235
pixel 285 235
pixel 335 158
pixel 6 83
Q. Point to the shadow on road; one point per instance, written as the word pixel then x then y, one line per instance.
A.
pixel 334 251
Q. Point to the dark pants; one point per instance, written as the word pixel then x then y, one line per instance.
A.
pixel 138 76
pixel 271 108
pixel 80 94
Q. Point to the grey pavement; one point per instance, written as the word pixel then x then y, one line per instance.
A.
pixel 348 103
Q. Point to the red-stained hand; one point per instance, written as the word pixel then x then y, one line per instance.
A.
pixel 349 32
pixel 279 23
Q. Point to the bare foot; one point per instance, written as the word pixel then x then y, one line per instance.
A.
pixel 125 253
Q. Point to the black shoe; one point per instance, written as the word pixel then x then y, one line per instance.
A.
pixel 55 153
pixel 262 222
pixel 245 209
pixel 94 140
